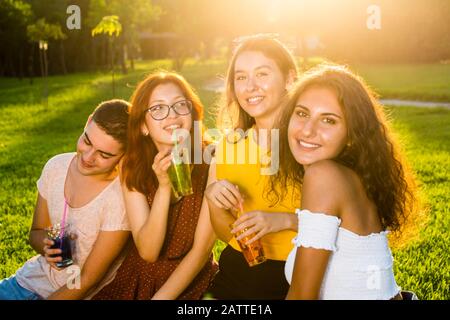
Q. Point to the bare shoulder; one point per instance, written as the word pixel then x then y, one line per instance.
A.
pixel 328 172
pixel 326 185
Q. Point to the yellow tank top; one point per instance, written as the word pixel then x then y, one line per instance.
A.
pixel 242 163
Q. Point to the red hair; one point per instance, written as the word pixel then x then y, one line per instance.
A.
pixel 137 171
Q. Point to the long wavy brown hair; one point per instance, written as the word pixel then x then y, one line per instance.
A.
pixel 272 49
pixel 137 163
pixel 372 151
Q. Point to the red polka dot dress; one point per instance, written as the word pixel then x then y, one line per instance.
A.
pixel 138 279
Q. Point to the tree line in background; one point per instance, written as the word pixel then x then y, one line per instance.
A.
pixel 411 31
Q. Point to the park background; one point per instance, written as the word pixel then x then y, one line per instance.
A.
pixel 53 72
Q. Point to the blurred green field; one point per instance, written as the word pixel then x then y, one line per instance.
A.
pixel 427 82
pixel 422 82
pixel 30 134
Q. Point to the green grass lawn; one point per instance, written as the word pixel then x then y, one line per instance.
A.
pixel 427 82
pixel 422 82
pixel 30 134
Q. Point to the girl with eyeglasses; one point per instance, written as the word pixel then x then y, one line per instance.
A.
pixel 171 255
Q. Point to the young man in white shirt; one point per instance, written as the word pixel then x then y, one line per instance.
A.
pixel 81 189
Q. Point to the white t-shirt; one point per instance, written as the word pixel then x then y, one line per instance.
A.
pixel 106 212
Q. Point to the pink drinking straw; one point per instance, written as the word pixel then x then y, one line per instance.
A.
pixel 63 222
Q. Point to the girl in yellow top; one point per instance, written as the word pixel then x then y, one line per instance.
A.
pixel 259 75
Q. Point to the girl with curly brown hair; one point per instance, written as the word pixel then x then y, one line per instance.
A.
pixel 336 144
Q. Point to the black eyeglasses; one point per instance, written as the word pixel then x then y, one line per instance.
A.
pixel 161 111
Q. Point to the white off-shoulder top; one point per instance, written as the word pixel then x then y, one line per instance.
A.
pixel 359 268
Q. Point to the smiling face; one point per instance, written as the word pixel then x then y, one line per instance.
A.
pixel 161 130
pixel 317 128
pixel 97 152
pixel 259 84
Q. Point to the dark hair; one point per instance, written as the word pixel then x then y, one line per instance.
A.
pixel 137 170
pixel 373 154
pixel 112 117
pixel 272 49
